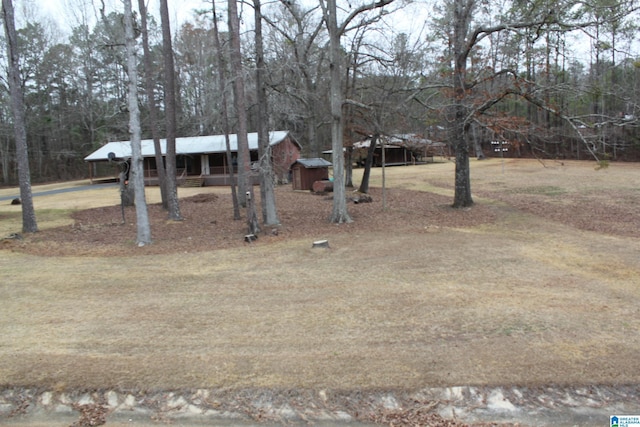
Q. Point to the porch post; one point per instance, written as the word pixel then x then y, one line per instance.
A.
pixel 204 165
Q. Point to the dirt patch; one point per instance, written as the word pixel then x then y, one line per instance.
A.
pixel 569 193
pixel 208 223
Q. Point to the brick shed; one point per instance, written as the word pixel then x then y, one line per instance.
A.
pixel 307 171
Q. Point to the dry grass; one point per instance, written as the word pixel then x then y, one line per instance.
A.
pixel 523 299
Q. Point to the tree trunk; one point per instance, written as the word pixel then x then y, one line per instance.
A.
pixel 170 111
pixel 238 101
pixel 4 159
pixel 339 213
pixel 29 223
pixel 462 196
pixel 137 167
pixel 244 161
pixel 364 185
pixel 127 190
pixel 225 112
pixel 314 150
pixel 462 16
pixel 153 109
pixel 267 190
pixel 351 79
pixel 477 145
pixel 348 166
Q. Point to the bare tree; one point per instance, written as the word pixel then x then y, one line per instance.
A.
pixel 170 112
pixel 339 213
pixel 462 14
pixel 364 184
pixel 224 107
pixel 244 161
pixel 137 169
pixel 377 103
pixel 29 223
pixel 153 108
pixel 300 81
pixel 267 190
pixel 469 99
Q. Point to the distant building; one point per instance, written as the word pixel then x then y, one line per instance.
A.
pixel 404 149
pixel 305 172
pixel 201 158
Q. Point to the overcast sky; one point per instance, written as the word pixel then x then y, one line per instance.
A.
pixel 65 12
pixel 68 13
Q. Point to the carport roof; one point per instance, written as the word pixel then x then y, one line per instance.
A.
pixel 187 145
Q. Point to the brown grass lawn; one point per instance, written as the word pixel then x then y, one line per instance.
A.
pixel 538 283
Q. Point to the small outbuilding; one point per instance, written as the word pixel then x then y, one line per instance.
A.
pixel 402 149
pixel 304 172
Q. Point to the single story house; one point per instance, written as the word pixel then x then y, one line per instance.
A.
pixel 305 172
pixel 202 157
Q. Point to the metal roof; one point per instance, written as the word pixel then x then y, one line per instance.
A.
pixel 395 141
pixel 187 145
pixel 314 162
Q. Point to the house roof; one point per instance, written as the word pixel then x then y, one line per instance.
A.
pixel 314 162
pixel 187 145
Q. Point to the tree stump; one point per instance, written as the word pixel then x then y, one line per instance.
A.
pixel 320 244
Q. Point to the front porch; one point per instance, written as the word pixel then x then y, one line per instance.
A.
pixel 207 169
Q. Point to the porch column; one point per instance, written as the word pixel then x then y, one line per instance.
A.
pixel 204 165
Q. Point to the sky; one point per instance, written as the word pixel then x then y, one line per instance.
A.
pixel 409 20
pixel 57 10
pixel 179 10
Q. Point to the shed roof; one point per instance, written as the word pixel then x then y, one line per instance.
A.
pixel 314 162
pixel 187 145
